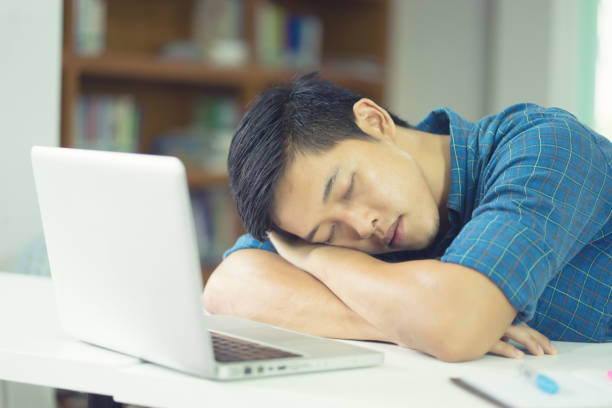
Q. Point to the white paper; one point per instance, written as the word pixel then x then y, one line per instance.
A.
pixel 585 389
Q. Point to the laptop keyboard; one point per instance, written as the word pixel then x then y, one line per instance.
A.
pixel 228 349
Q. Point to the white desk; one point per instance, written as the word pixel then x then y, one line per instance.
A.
pixel 33 349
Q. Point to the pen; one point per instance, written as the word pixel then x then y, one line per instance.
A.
pixel 541 381
pixel 460 382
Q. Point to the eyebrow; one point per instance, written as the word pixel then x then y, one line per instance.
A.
pixel 328 188
pixel 330 185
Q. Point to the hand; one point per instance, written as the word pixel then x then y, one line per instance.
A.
pixel 535 342
pixel 296 252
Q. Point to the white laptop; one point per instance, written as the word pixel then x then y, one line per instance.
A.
pixel 125 267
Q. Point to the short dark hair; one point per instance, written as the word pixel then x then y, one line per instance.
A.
pixel 310 115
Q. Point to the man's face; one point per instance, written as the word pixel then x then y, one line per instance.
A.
pixel 365 195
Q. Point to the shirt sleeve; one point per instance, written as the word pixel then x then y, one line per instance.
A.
pixel 544 195
pixel 247 241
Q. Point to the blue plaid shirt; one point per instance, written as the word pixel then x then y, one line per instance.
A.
pixel 530 206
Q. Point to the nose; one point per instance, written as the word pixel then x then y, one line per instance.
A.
pixel 362 220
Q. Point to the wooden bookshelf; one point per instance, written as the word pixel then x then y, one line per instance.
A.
pixel 200 179
pixel 150 68
pixel 167 90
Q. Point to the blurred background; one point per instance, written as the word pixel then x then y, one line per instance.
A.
pixel 174 76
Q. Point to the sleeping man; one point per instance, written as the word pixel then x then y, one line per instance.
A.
pixel 449 237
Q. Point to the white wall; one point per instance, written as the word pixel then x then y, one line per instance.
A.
pixel 536 54
pixel 563 56
pixel 520 54
pixel 438 56
pixel 603 83
pixel 30 40
pixel 480 56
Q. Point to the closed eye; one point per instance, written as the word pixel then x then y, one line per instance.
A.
pixel 331 235
pixel 346 196
pixel 348 193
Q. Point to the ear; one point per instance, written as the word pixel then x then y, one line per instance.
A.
pixel 374 120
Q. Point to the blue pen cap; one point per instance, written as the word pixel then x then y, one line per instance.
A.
pixel 546 384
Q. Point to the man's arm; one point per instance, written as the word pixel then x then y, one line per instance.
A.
pixel 262 286
pixel 449 311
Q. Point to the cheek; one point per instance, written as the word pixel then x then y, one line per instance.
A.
pixel 290 220
pixel 294 212
pixel 398 178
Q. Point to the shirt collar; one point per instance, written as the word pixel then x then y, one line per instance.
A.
pixel 444 121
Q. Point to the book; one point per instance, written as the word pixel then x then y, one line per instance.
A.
pixel 217 32
pixel 287 39
pixel 204 143
pixel 215 223
pixel 89 27
pixel 107 122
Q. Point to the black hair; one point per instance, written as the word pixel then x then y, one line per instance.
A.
pixel 310 115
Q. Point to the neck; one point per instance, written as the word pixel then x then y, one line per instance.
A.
pixel 432 154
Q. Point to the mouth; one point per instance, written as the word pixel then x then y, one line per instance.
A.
pixel 392 232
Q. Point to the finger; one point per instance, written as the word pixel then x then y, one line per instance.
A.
pixel 544 341
pixel 501 348
pixel 523 334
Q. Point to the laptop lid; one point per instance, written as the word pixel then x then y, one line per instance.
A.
pixel 123 255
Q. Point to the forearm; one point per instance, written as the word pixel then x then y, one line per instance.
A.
pixel 262 286
pixel 427 305
pixel 385 298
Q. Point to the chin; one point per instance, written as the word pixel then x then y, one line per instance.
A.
pixel 429 233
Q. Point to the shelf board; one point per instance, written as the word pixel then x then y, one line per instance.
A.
pixel 197 178
pixel 143 67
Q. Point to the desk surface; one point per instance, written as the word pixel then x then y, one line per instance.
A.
pixel 33 349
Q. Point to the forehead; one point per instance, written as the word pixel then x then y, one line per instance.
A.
pixel 299 191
